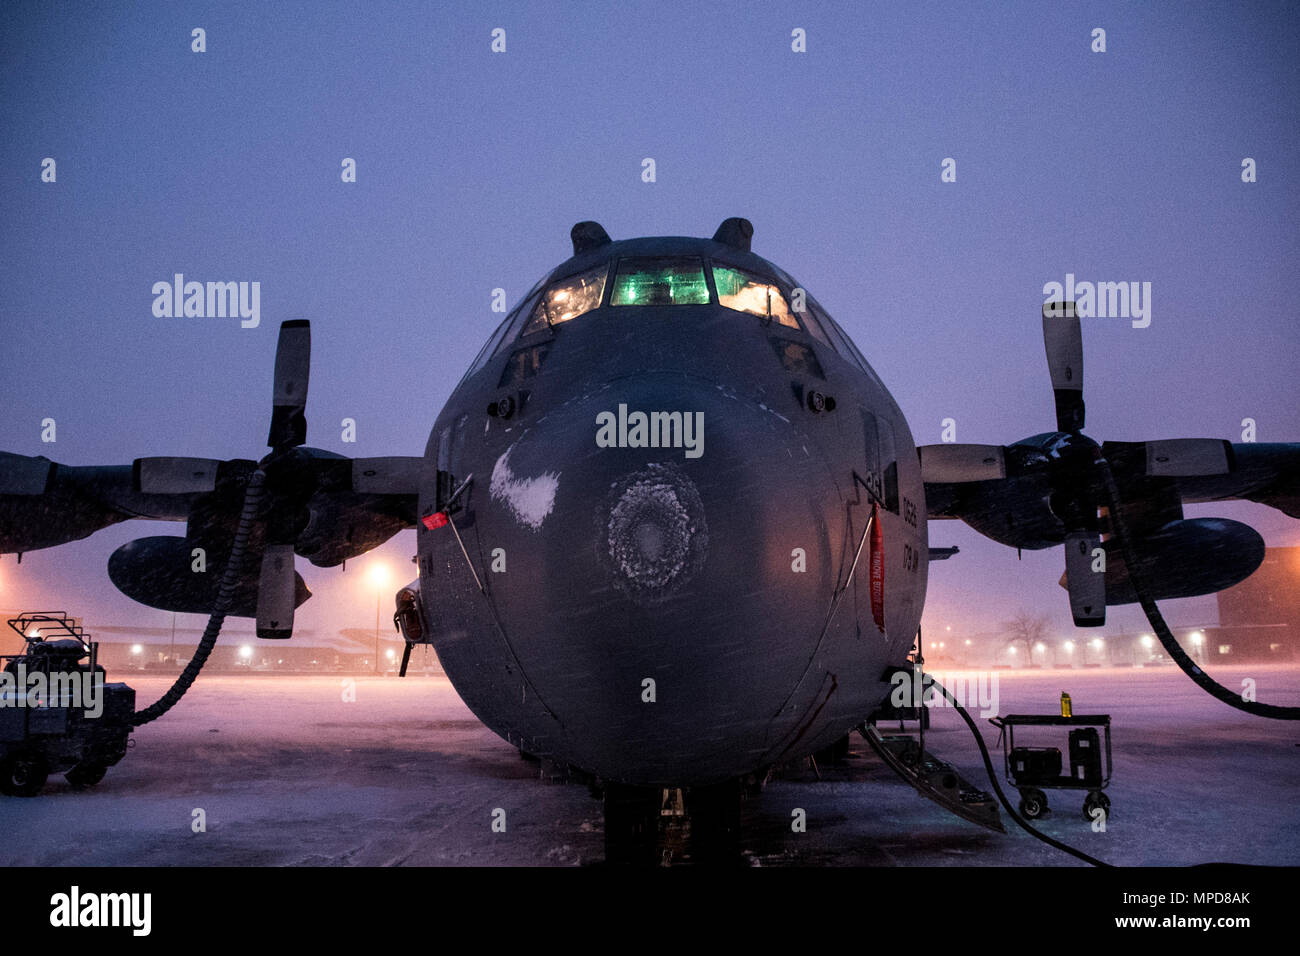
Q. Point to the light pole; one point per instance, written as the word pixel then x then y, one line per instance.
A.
pixel 1147 643
pixel 378 577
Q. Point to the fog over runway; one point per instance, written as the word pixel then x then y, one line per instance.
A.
pixel 289 773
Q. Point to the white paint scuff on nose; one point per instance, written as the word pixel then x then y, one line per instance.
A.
pixel 530 500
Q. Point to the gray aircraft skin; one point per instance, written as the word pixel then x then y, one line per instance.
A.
pixel 712 576
pixel 680 610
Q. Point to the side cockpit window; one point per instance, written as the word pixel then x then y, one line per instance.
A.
pixel 567 299
pixel 660 280
pixel 813 326
pixel 489 348
pixel 840 340
pixel 745 292
pixel 505 333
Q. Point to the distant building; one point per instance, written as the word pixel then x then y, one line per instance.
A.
pixel 1259 619
pixel 163 650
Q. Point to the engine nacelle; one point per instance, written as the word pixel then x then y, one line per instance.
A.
pixel 1185 558
pixel 159 572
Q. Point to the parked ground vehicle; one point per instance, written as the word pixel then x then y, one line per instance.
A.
pixel 1035 769
pixel 58 714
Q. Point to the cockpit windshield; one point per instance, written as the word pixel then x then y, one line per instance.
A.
pixel 746 292
pixel 660 280
pixel 666 280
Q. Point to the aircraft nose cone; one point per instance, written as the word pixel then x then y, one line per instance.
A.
pixel 663 598
pixel 656 535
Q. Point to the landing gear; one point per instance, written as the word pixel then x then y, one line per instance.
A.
pixel 641 829
pixel 1033 803
pixel 632 825
pixel 714 814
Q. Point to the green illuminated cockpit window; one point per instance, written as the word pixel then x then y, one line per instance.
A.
pixel 568 299
pixel 745 292
pixel 668 280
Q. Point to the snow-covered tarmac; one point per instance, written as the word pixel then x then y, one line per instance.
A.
pixel 287 772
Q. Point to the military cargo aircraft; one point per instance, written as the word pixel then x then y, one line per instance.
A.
pixel 671 526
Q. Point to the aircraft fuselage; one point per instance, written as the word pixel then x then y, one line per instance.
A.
pixel 668 498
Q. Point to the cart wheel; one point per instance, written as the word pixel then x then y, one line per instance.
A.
pixel 1033 803
pixel 22 774
pixel 85 775
pixel 1092 801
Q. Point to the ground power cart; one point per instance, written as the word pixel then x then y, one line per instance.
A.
pixel 57 712
pixel 1031 770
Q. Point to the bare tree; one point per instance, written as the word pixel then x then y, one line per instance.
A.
pixel 1025 629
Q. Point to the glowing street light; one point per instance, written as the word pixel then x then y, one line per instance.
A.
pixel 137 649
pixel 246 652
pixel 379 577
pixel 1147 641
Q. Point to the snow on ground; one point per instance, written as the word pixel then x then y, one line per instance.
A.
pixel 288 772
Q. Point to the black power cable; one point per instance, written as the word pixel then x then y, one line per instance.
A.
pixel 997 788
pixel 225 593
pixel 1157 621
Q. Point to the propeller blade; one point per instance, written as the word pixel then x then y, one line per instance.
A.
pixel 1087 587
pixel 276 593
pixel 175 476
pixel 289 396
pixel 1063 340
pixel 951 463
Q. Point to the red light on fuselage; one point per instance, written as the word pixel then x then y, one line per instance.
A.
pixel 435 520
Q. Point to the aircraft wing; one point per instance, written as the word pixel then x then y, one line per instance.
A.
pixel 1062 488
pixel 316 504
pixel 1010 501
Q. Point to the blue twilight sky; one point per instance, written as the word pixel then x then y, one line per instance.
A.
pixel 472 166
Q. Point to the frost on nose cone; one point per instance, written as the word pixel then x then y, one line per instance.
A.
pixel 648 594
pixel 657 537
pixel 530 500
